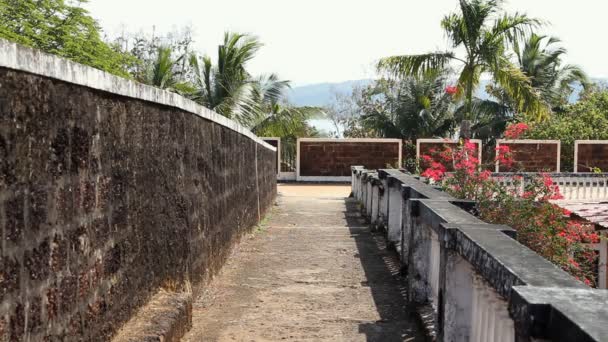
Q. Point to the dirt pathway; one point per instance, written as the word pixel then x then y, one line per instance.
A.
pixel 314 273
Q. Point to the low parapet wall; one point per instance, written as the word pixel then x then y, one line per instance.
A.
pixel 530 155
pixel 331 159
pixel 590 155
pixel 476 279
pixel 109 191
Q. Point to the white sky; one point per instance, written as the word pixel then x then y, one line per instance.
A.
pixel 317 41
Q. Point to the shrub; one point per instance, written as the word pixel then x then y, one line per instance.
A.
pixel 587 119
pixel 524 205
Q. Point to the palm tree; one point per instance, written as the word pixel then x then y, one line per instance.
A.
pixel 230 90
pixel 166 73
pixel 269 116
pixel 408 108
pixel 485 34
pixel 541 62
pixel 227 87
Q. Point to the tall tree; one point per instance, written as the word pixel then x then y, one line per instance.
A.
pixel 227 87
pixel 255 102
pixel 63 28
pixel 485 34
pixel 407 108
pixel 541 60
pixel 166 73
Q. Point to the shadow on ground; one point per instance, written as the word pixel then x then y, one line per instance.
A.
pixel 388 288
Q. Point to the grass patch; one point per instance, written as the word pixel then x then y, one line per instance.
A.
pixel 262 226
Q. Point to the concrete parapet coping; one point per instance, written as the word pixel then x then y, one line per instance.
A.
pixel 560 314
pixel 522 288
pixel 17 57
pixel 503 261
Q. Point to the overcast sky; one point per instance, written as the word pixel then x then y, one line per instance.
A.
pixel 317 41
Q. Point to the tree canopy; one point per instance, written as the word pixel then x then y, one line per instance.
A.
pixel 63 28
pixel 485 33
pixel 585 120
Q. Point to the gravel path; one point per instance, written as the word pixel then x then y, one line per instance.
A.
pixel 313 272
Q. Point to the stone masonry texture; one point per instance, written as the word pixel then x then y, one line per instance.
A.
pixel 326 158
pixel 532 157
pixel 591 156
pixel 274 143
pixel 106 199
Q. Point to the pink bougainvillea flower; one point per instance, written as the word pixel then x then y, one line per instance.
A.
pixel 515 131
pixel 451 90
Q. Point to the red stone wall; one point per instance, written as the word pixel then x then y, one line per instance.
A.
pixel 592 155
pixel 536 157
pixel 335 158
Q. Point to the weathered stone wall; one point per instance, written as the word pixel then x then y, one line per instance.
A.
pixel 592 155
pixel 334 158
pixel 532 157
pixel 274 142
pixel 104 199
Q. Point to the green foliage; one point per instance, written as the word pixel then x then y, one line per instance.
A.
pixel 585 120
pixel 63 28
pixel 255 102
pixel 485 34
pixel 166 73
pixel 541 61
pixel 407 108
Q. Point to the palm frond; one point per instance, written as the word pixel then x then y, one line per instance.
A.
pixel 415 65
pixel 519 88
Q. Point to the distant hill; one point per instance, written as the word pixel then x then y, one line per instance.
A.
pixel 321 94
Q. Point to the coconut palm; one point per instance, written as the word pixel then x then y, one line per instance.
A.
pixel 408 108
pixel 485 34
pixel 541 61
pixel 166 72
pixel 271 115
pixel 230 90
pixel 227 87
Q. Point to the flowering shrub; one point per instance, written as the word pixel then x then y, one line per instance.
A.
pixel 504 156
pixel 451 90
pixel 524 205
pixel 515 131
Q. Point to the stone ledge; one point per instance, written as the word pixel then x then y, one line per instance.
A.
pixel 560 314
pixel 21 58
pixel 165 318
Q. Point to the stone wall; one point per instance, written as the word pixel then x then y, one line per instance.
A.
pixel 333 158
pixel 532 155
pixel 591 155
pixel 275 142
pixel 105 198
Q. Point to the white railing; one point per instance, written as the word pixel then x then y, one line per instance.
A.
pixel 394 208
pixel 465 269
pixel 434 268
pixel 573 186
pixel 490 320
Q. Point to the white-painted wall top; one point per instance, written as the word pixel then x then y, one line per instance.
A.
pixel 17 57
